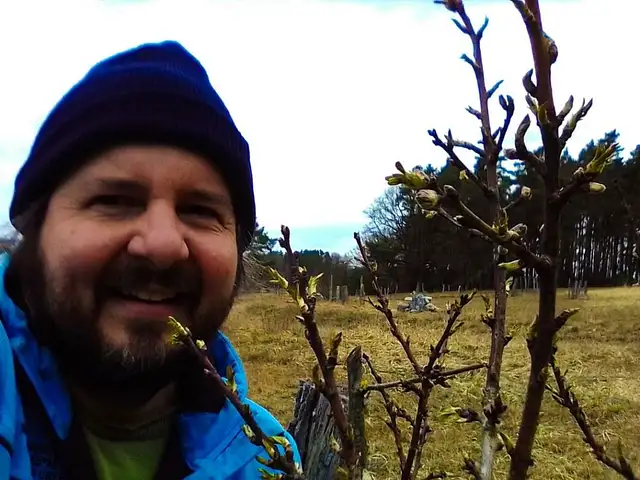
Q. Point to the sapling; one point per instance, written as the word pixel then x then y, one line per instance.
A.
pixel 282 465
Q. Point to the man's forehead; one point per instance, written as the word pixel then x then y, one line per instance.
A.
pixel 153 167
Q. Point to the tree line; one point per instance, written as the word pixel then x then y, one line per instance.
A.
pixel 598 242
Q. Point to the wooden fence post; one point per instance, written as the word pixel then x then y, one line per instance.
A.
pixel 355 411
pixel 313 427
pixel 344 297
pixel 331 287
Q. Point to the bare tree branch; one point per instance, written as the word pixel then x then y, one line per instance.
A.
pixel 566 398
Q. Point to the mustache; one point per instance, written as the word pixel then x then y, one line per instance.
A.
pixel 138 273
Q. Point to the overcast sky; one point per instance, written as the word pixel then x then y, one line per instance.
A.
pixel 329 93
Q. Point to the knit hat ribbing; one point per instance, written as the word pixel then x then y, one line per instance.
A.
pixel 156 93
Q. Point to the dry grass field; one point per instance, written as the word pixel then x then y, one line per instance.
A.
pixel 600 347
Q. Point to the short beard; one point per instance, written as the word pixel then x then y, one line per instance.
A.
pixel 68 327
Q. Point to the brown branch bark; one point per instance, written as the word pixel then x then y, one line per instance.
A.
pixel 449 149
pixel 429 375
pixel 284 463
pixel 383 307
pixel 330 388
pixel 392 411
pixel 437 375
pixel 473 221
pixel 493 406
pixel 566 398
pixel 544 54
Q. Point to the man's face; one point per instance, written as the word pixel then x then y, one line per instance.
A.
pixel 137 235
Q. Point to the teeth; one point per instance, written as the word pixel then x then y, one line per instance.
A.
pixel 151 295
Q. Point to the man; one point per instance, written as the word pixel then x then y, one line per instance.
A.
pixel 135 204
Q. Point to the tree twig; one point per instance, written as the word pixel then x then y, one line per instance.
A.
pixel 428 374
pixel 565 397
pixel 436 375
pixel 383 306
pixel 298 286
pixel 393 411
pixel 284 463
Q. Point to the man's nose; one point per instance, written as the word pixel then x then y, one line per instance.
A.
pixel 160 237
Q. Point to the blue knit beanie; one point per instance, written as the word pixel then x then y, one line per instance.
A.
pixel 155 93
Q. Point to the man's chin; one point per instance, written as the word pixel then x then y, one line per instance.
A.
pixel 134 364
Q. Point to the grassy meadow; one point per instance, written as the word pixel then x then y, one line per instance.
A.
pixel 600 347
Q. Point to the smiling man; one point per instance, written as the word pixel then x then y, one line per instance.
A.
pixel 135 204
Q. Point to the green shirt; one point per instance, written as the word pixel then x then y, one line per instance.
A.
pixel 129 459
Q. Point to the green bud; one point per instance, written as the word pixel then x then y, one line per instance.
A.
pixel 393 180
pixel 179 333
pixel 428 199
pixel 603 157
pixel 450 412
pixel 595 187
pixel 414 179
pixel 248 432
pixel 312 285
pixel 334 445
pixel 511 267
pixel 277 278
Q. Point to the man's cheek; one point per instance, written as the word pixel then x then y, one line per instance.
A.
pixel 221 275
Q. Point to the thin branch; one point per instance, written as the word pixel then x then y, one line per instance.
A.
pixel 284 463
pixel 529 258
pixel 571 125
pixel 469 146
pixel 429 375
pixel 436 375
pixel 329 389
pixel 545 53
pixel 492 147
pixel 392 411
pixel 582 177
pixel 383 306
pixel 449 149
pixel 521 151
pixel 430 370
pixel 566 398
pixel 419 433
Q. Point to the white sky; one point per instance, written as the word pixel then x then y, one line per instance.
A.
pixel 329 93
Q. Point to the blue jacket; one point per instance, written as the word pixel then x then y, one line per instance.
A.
pixel 34 433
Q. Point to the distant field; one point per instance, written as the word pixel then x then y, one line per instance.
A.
pixel 600 347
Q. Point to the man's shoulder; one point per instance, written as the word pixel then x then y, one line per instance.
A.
pixel 238 458
pixel 8 398
pixel 265 419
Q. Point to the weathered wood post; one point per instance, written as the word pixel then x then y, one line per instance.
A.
pixel 344 297
pixel 355 410
pixel 313 428
pixel 337 293
pixel 331 287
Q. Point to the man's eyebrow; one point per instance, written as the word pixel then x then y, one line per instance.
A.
pixel 117 184
pixel 207 196
pixel 124 185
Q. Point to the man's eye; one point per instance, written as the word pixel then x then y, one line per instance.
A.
pixel 201 211
pixel 114 201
